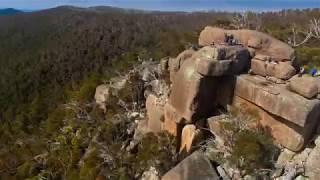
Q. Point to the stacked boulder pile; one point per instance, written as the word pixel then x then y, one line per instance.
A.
pixel 255 72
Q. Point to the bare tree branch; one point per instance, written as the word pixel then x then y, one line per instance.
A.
pixel 313 32
pixel 293 40
pixel 315 27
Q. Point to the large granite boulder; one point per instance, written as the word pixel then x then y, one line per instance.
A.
pixel 306 86
pixel 279 101
pixel 280 70
pixel 194 167
pixel 192 93
pixel 260 42
pixel 279 129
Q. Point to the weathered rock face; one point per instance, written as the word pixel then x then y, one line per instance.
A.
pixel 262 43
pixel 305 86
pixel 191 93
pixel 183 56
pixel 176 63
pixel 291 138
pixel 278 100
pixel 101 96
pixel 281 70
pixel 155 113
pixel 194 167
pixel 171 119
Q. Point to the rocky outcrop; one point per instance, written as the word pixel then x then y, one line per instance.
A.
pixel 194 167
pixel 255 74
pixel 260 42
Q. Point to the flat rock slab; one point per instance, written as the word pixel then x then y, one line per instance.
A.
pixel 278 100
pixel 194 167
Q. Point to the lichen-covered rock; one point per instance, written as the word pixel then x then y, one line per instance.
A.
pixel 261 42
pixel 155 114
pixel 151 174
pixel 101 96
pixel 305 86
pixel 312 166
pixel 194 167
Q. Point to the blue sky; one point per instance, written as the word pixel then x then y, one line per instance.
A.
pixel 169 5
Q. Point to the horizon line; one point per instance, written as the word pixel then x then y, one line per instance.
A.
pixel 161 10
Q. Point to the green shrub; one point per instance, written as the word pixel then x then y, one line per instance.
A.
pixel 85 92
pixel 309 57
pixel 253 150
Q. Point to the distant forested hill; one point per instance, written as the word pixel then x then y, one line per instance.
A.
pixel 9 11
pixel 48 55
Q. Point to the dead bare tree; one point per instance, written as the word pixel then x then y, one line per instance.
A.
pixel 315 27
pixel 313 32
pixel 295 33
pixel 247 20
pixel 240 21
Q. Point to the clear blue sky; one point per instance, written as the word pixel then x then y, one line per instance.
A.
pixel 170 5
